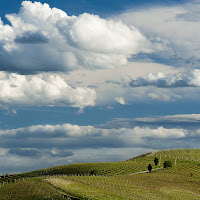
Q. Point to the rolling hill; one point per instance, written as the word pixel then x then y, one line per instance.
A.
pixel 111 180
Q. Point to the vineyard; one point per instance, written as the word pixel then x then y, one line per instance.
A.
pixel 175 183
pixel 112 180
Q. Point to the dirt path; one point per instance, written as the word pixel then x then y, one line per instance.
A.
pixel 142 172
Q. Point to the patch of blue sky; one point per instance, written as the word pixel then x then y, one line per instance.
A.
pixel 103 8
pixel 94 115
pixel 172 60
pixel 154 57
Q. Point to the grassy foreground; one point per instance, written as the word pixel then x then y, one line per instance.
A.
pixel 112 180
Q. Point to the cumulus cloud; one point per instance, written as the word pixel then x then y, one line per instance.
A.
pixel 41 38
pixel 66 143
pixel 162 80
pixel 75 137
pixel 172 29
pixel 42 90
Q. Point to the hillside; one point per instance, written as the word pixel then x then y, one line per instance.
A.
pixel 113 180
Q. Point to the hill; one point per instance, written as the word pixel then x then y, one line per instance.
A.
pixel 112 180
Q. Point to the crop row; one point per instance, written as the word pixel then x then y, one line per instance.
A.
pixel 29 189
pixel 113 168
pixel 175 183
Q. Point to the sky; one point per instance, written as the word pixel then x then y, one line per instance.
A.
pixel 96 81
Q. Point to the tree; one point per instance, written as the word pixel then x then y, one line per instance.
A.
pixel 167 164
pixel 149 167
pixel 156 161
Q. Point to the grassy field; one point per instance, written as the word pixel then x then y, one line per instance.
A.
pixel 113 180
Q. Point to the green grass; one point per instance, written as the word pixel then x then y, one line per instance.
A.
pixel 182 181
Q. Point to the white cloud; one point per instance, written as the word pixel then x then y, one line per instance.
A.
pixel 42 90
pixel 68 143
pixel 45 39
pixel 162 97
pixel 162 80
pixel 182 118
pixel 73 136
pixel 107 83
pixel 120 100
pixel 161 132
pixel 169 122
pixel 173 31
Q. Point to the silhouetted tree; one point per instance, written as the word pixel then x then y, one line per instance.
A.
pixel 156 161
pixel 149 167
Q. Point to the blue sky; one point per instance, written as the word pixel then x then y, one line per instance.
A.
pixel 96 80
pixel 100 7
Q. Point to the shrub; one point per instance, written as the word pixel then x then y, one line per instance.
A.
pixel 167 164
